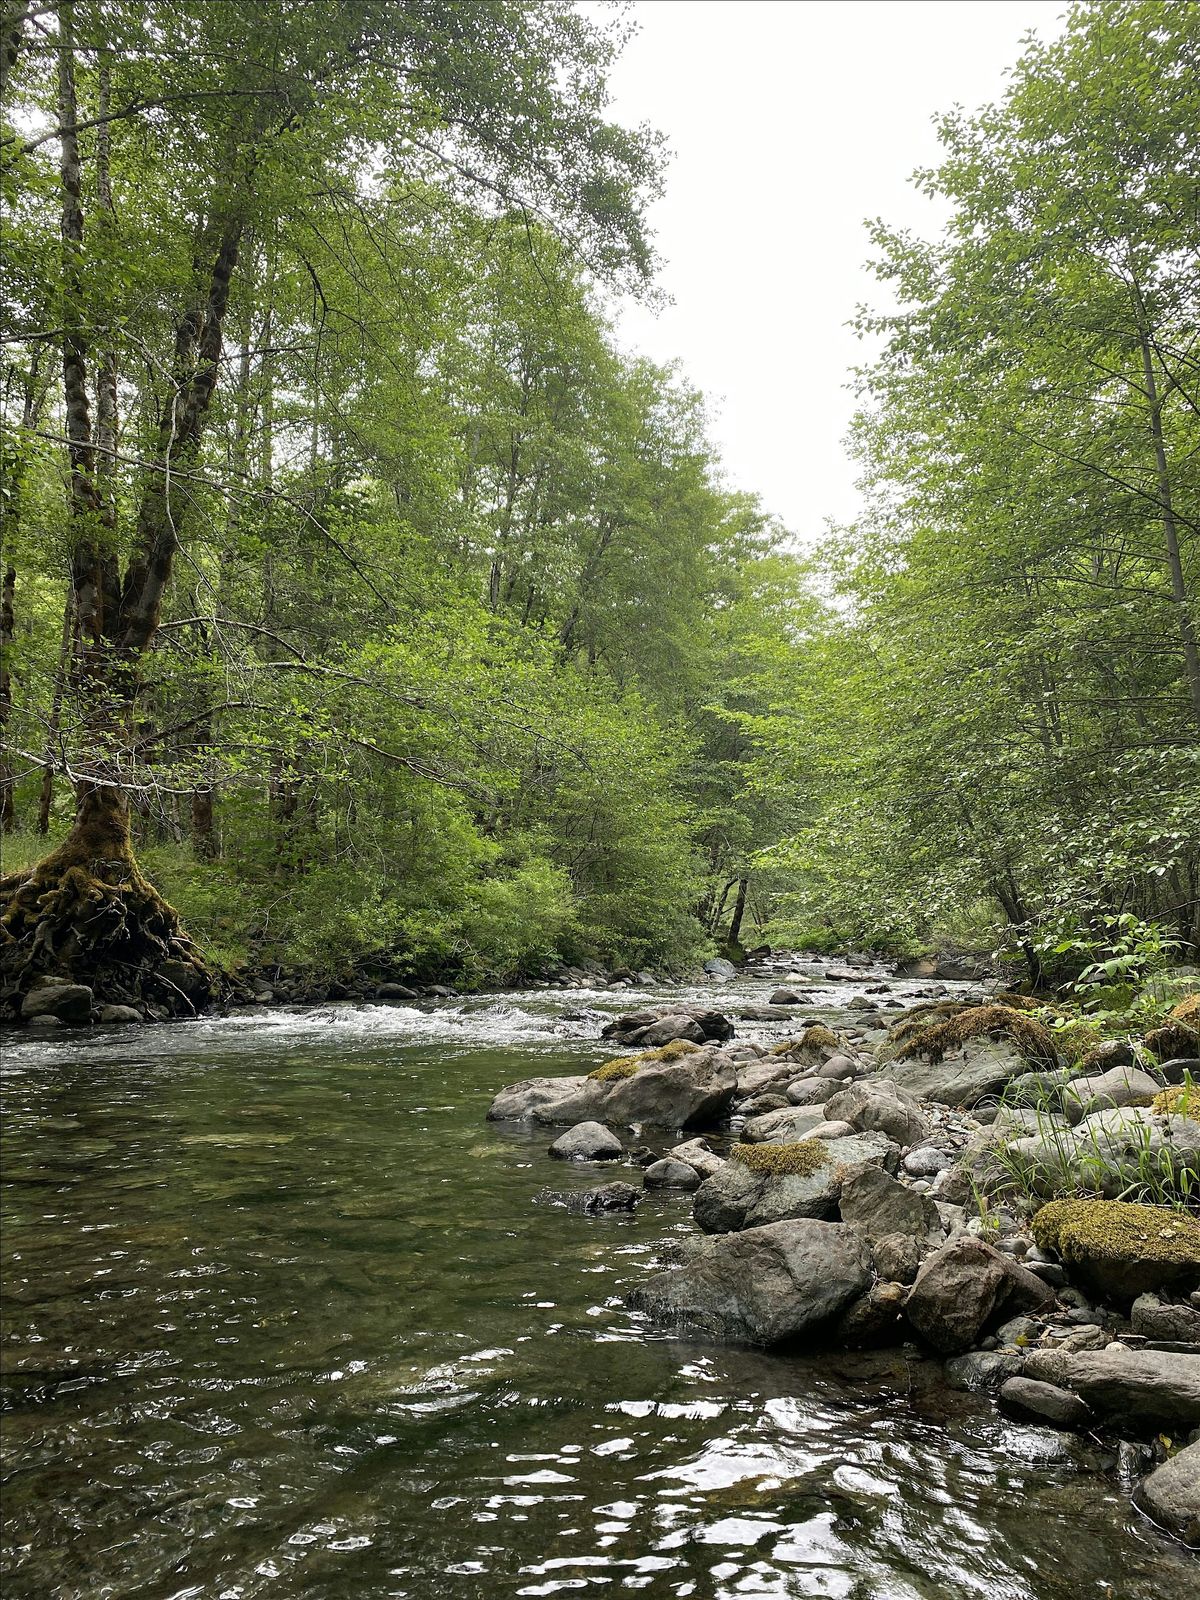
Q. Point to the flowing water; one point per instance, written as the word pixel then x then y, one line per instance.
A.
pixel 283 1318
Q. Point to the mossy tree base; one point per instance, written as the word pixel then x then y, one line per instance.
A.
pixel 86 914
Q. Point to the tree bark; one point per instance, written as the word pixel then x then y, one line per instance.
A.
pixel 8 620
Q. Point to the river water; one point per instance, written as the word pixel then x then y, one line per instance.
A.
pixel 283 1318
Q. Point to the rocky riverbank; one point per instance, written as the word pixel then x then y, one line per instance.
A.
pixel 945 1176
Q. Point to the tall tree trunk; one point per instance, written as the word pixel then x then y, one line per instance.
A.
pixel 739 911
pixel 8 620
pixel 1179 591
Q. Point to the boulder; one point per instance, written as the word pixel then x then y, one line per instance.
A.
pixel 983 1369
pixel 696 1154
pixel 1119 1086
pixel 962 1287
pixel 1134 1389
pixel 759 1077
pixel 395 991
pixel 694 1091
pixel 587 1141
pixel 1166 1321
pixel 839 1067
pixel 111 1016
pixel 813 1091
pixel 784 1126
pixel 759 1105
pixel 671 1174
pixel 743 1196
pixel 768 1286
pixel 878 1205
pixel 1170 1495
pixel 651 1028
pixel 927 1161
pixel 832 1130
pixel 897 1256
pixel 54 997
pixel 877 1105
pixel 785 997
pixel 1122 1249
pixel 718 967
pixel 962 1077
pixel 1031 1400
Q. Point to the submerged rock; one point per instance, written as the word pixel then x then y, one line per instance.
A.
pixel 608 1197
pixel 671 1174
pixel 769 1285
pixel 58 998
pixel 1031 1399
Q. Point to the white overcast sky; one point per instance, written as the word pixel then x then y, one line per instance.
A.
pixel 790 123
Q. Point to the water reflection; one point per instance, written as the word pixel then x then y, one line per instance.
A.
pixel 282 1320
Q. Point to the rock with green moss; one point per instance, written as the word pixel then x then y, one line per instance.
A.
pixel 1122 1249
pixel 765 1183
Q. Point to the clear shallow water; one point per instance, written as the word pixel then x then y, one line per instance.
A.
pixel 283 1319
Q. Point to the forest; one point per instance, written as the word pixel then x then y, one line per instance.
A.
pixel 368 608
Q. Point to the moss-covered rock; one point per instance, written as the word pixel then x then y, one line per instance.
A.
pixel 1122 1248
pixel 1175 1038
pixel 626 1066
pixel 814 1039
pixel 1033 1038
pixel 782 1160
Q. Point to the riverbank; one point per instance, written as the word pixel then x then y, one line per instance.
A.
pixel 948 1178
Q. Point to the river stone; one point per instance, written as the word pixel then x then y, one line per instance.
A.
pixel 671 1174
pixel 652 1028
pixel 874 1319
pixel 756 1077
pixel 718 967
pixel 983 1369
pixel 962 1077
pixel 832 1130
pixel 927 1162
pixel 962 1286
pixel 693 1092
pixel 1119 1086
pixel 1029 1399
pixel 767 1286
pixel 877 1105
pixel 877 1205
pixel 1171 1323
pixel 784 1126
pixel 897 1256
pixel 838 1067
pixel 696 1154
pixel 1170 1495
pixel 54 997
pixel 811 1091
pixel 113 1015
pixel 761 1105
pixel 587 1141
pixel 737 1197
pixel 785 997
pixel 1137 1389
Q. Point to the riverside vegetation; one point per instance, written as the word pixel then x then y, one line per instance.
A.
pixel 376 627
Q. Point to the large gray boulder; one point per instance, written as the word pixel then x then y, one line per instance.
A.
pixel 962 1077
pixel 1167 1321
pixel 1170 1496
pixel 963 1287
pixel 696 1154
pixel 587 1141
pixel 768 1286
pixel 1134 1389
pixel 56 997
pixel 878 1105
pixel 694 1091
pixel 738 1196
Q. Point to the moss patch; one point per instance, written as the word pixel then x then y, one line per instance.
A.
pixel 1116 1231
pixel 1180 1100
pixel 626 1066
pixel 782 1160
pixel 1188 1010
pixel 817 1037
pixel 1032 1038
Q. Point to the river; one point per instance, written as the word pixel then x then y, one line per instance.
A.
pixel 283 1318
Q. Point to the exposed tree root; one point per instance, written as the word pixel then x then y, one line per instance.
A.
pixel 86 914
